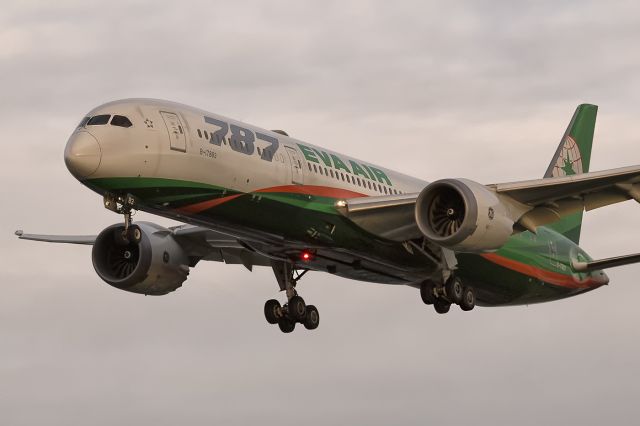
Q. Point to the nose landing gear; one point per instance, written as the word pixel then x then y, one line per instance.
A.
pixel 442 296
pixel 124 206
pixel 295 310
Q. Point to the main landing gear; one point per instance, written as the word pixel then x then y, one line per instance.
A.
pixel 295 310
pixel 443 296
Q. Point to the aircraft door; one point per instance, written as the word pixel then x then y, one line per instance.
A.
pixel 176 131
pixel 296 166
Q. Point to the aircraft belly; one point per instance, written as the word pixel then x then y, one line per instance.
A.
pixel 496 285
pixel 282 219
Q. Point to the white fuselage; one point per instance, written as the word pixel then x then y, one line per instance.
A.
pixel 175 141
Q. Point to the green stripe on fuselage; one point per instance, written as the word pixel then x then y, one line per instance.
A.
pixel 314 220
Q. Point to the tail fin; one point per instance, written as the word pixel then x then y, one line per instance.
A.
pixel 571 158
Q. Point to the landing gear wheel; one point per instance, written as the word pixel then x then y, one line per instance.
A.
pixel 312 318
pixel 426 292
pixel 441 306
pixel 297 308
pixel 454 290
pixel 134 235
pixel 468 299
pixel 286 325
pixel 271 311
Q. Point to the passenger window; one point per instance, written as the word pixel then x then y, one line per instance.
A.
pixel 315 168
pixel 206 135
pixel 199 133
pixel 121 121
pixel 98 120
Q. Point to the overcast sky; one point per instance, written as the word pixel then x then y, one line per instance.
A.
pixel 476 89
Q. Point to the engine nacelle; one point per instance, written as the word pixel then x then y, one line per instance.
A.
pixel 463 215
pixel 156 265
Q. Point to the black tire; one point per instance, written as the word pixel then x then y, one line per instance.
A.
pixel 135 234
pixel 297 308
pixel 426 292
pixel 454 290
pixel 312 318
pixel 286 325
pixel 441 306
pixel 468 299
pixel 272 311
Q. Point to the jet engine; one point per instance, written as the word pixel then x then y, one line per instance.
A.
pixel 151 264
pixel 463 215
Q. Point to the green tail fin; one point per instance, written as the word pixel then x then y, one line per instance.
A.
pixel 571 158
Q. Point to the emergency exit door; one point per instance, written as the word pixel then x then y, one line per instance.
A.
pixel 177 137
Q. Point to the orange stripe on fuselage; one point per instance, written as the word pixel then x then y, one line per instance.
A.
pixel 319 191
pixel 205 205
pixel 550 277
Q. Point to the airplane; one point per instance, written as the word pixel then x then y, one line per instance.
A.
pixel 258 197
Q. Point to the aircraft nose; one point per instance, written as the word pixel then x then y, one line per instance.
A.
pixel 82 154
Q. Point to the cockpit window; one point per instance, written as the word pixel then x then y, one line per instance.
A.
pixel 84 122
pixel 98 120
pixel 121 120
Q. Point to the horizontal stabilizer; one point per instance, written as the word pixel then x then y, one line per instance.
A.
pixel 605 263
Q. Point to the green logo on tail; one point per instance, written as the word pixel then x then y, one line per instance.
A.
pixel 569 161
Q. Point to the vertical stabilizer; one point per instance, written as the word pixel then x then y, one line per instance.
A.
pixel 573 157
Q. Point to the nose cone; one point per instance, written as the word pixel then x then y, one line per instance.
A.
pixel 82 154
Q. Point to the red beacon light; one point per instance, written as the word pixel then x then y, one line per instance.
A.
pixel 306 256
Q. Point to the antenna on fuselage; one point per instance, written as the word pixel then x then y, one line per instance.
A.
pixel 282 132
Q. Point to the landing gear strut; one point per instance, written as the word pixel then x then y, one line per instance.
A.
pixel 295 310
pixel 124 206
pixel 442 296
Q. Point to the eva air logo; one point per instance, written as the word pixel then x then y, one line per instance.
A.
pixel 569 161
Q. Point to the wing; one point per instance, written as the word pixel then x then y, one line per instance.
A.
pixel 551 199
pixel 198 242
pixel 66 239
pixel 533 203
